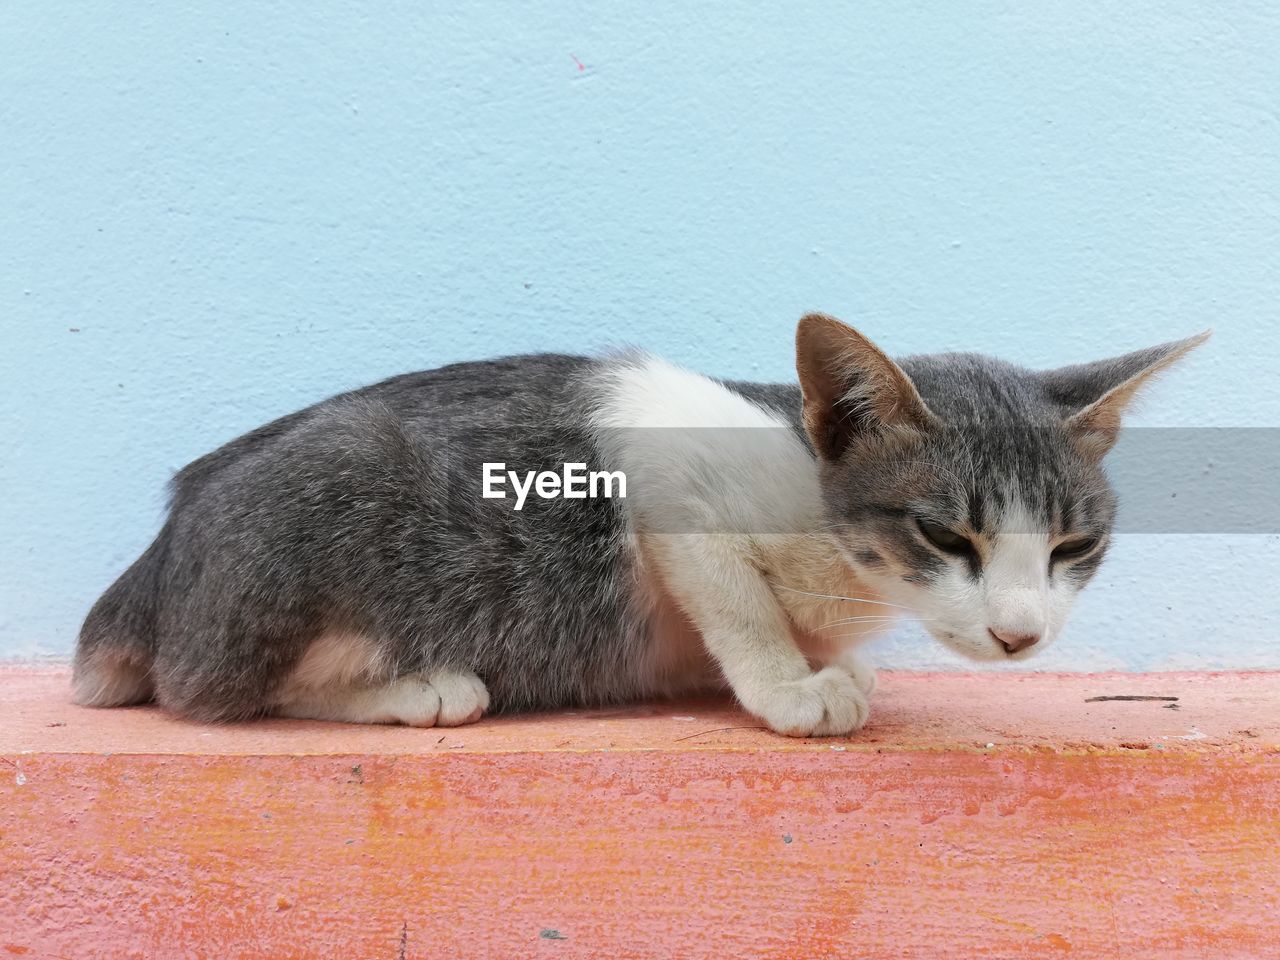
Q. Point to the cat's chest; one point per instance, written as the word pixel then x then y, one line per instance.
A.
pixel 829 607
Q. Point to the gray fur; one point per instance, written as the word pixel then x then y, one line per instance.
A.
pixel 362 512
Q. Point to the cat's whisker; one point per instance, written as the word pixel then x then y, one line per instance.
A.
pixel 835 623
pixel 886 616
pixel 828 596
pixel 883 624
pixel 856 634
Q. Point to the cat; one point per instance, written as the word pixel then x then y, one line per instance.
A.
pixel 349 563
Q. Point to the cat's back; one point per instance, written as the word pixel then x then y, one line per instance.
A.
pixel 484 391
pixel 534 396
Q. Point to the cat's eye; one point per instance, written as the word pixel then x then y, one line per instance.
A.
pixel 1072 549
pixel 944 539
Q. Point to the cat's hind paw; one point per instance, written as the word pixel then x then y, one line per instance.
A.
pixel 410 700
pixel 463 697
pixel 445 698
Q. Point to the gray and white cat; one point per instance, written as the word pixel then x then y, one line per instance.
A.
pixel 343 563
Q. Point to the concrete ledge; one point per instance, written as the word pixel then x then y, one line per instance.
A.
pixel 978 816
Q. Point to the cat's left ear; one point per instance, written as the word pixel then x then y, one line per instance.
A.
pixel 1097 394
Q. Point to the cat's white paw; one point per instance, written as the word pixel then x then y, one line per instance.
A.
pixel 445 698
pixel 864 675
pixel 823 704
pixel 463 697
pixel 411 700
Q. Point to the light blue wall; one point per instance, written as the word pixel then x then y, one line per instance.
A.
pixel 212 214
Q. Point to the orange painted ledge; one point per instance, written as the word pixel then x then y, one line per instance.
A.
pixel 996 816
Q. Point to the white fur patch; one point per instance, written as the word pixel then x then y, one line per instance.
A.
pixel 696 452
pixel 725 501
pixel 1015 577
pixel 336 659
pixel 108 678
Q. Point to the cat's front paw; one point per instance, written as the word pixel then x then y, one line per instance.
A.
pixel 823 704
pixel 863 673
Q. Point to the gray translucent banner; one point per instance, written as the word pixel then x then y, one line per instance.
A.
pixel 1167 480
pixel 1197 480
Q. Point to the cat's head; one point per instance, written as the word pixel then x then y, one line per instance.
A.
pixel 967 489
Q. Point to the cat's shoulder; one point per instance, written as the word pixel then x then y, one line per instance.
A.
pixel 638 389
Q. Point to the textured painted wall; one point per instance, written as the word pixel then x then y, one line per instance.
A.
pixel 213 216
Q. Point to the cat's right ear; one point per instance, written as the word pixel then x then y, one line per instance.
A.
pixel 851 388
pixel 1097 394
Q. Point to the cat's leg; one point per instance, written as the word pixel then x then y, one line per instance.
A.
pixel 444 698
pixel 748 634
pixel 863 673
pixel 410 700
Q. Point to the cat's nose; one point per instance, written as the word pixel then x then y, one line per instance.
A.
pixel 1013 642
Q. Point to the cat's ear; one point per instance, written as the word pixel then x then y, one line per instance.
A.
pixel 1096 395
pixel 850 387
